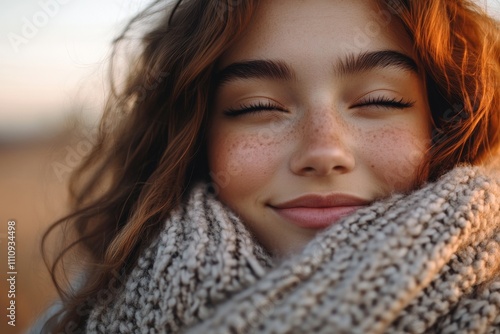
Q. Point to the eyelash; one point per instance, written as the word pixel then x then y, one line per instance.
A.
pixel 253 108
pixel 379 102
pixel 382 102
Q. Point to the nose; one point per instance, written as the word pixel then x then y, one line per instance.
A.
pixel 322 148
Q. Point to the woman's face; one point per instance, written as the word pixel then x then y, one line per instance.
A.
pixel 320 109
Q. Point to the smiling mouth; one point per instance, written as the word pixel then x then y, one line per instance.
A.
pixel 318 212
pixel 316 218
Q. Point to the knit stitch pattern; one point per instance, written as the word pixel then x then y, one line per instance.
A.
pixel 424 262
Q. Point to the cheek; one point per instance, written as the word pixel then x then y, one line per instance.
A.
pixel 241 164
pixel 396 156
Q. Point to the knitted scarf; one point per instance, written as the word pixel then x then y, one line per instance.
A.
pixel 424 262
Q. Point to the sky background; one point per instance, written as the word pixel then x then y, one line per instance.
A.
pixel 46 71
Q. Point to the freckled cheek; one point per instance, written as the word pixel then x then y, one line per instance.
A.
pixel 242 163
pixel 395 156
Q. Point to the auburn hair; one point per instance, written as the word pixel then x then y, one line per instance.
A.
pixel 149 148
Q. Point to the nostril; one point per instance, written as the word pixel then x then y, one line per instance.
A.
pixel 324 170
pixel 321 161
pixel 339 168
pixel 308 169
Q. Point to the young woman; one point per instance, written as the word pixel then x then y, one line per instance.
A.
pixel 295 166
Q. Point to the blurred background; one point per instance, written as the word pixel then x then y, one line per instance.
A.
pixel 53 62
pixel 53 75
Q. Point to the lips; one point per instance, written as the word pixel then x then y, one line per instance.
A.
pixel 317 211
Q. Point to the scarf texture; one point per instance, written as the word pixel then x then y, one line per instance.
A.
pixel 424 262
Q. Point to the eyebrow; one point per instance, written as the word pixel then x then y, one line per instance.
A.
pixel 351 64
pixel 366 61
pixel 255 69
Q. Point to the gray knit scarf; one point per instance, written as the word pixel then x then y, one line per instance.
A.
pixel 425 262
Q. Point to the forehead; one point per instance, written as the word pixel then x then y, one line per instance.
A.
pixel 309 30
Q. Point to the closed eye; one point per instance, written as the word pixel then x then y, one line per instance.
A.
pixel 382 102
pixel 253 108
